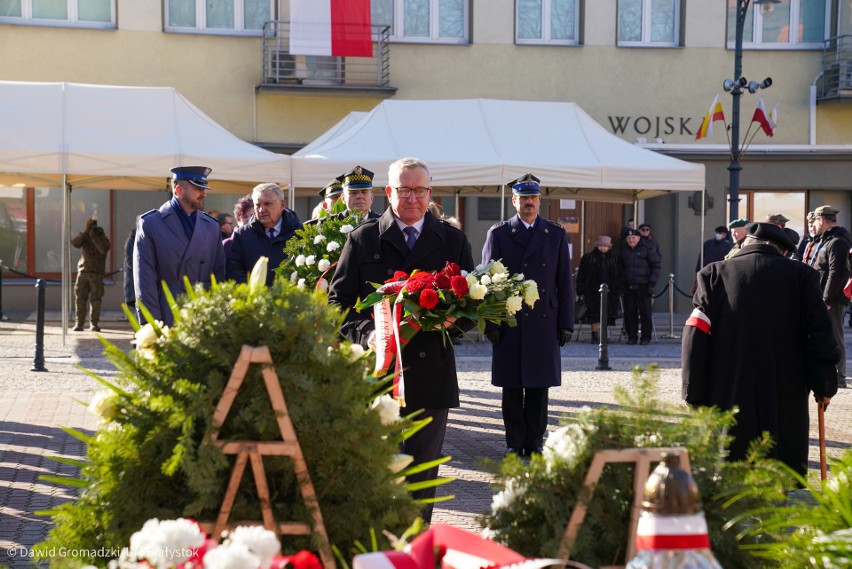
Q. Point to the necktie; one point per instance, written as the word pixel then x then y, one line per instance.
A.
pixel 271 233
pixel 410 237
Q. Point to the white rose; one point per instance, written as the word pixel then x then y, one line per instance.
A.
pixel 387 408
pixel 301 284
pixel 356 352
pixel 322 285
pixel 485 279
pixel 310 260
pixel 300 261
pixel 167 543
pixel 294 277
pixel 332 246
pixel 258 540
pixel 513 304
pixel 346 229
pixel 323 265
pixel 498 267
pixel 565 444
pixel 471 280
pixel 499 278
pixel 530 292
pixel 103 406
pixel 319 239
pixel 477 291
pixel 518 277
pixel 146 336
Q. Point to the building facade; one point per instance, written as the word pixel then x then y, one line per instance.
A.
pixel 645 70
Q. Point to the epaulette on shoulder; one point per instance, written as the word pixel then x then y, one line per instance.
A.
pixel 500 224
pixel 204 213
pixel 554 223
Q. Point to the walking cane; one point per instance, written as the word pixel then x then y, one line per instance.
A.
pixel 823 472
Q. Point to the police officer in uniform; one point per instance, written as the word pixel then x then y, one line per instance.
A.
pixel 330 194
pixel 178 240
pixel 526 358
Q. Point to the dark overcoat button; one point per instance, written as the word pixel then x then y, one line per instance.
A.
pixel 422 355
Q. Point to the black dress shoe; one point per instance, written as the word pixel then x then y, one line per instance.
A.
pixel 532 451
pixel 631 341
pixel 644 341
pixel 515 451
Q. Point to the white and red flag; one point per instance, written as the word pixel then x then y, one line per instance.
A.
pixel 331 27
pixel 762 118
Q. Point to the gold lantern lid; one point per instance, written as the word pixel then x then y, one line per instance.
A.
pixel 670 489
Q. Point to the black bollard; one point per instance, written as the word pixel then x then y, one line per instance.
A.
pixel 38 359
pixel 603 349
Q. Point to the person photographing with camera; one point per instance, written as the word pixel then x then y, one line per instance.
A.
pixel 89 287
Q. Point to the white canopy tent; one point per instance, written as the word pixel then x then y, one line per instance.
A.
pixel 481 144
pixel 122 138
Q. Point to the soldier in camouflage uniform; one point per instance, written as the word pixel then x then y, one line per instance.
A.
pixel 94 245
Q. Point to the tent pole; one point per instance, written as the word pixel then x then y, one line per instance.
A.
pixel 66 254
pixel 701 226
pixel 456 204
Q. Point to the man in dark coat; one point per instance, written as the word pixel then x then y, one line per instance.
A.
pixel 599 266
pixel 715 249
pixel 265 236
pixel 639 267
pixel 831 258
pixel 406 237
pixel 526 360
pixel 760 339
pixel 176 241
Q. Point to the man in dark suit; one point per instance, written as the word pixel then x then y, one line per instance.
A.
pixel 526 358
pixel 265 236
pixel 178 240
pixel 760 346
pixel 406 238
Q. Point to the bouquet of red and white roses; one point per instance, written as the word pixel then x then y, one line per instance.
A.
pixel 428 301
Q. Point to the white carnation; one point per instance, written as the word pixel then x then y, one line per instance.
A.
pixel 294 277
pixel 332 246
pixel 167 543
pixel 319 239
pixel 258 540
pixel 477 291
pixel 323 265
pixel 565 444
pixel 387 408
pixel 310 260
pixel 346 229
pixel 356 352
pixel 506 497
pixel 513 304
pixel 300 261
pixel 236 556
pixel 301 284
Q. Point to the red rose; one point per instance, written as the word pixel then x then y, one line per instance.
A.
pixel 398 275
pixel 452 269
pixel 442 281
pixel 419 281
pixel 428 299
pixel 459 284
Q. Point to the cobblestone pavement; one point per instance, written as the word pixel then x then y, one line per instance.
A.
pixel 34 406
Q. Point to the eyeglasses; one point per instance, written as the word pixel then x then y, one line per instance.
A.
pixel 405 192
pixel 645 229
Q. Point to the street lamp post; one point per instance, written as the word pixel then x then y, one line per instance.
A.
pixel 735 86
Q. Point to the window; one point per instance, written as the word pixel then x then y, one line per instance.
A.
pixel 434 21
pixel 649 23
pixel 769 25
pixel 547 21
pixel 76 13
pixel 218 16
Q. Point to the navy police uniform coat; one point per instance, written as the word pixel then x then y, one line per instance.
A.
pixel 372 253
pixel 760 339
pixel 527 355
pixel 163 253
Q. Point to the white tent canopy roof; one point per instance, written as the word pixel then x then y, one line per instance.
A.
pixel 481 144
pixel 121 138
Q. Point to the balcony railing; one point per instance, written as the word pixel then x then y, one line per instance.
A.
pixel 836 81
pixel 281 68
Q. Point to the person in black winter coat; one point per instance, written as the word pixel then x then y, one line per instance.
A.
pixel 639 265
pixel 715 249
pixel 597 267
pixel 269 229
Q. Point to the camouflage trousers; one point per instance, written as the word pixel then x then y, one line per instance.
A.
pixel 89 286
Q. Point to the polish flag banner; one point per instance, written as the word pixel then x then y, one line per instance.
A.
pixel 331 27
pixel 761 117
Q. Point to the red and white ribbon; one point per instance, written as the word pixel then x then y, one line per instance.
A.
pixel 671 532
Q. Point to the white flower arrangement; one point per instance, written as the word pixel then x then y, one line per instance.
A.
pixel 387 408
pixel 146 337
pixel 165 544
pixel 103 406
pixel 565 444
pixel 513 304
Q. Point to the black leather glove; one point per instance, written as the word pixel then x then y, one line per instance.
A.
pixel 564 336
pixel 494 335
pixel 651 290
